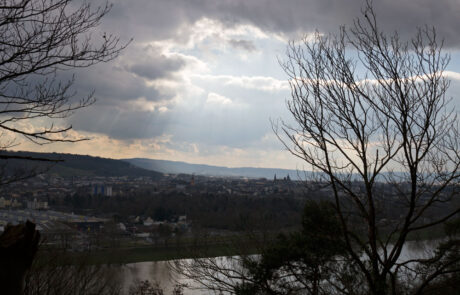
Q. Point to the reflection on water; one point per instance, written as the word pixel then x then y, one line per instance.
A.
pixel 418 249
pixel 155 271
pixel 162 272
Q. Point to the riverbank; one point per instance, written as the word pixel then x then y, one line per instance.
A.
pixel 143 254
pixel 232 245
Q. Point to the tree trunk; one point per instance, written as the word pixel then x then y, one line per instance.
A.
pixel 380 286
pixel 18 246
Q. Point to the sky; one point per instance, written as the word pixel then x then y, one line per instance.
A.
pixel 201 80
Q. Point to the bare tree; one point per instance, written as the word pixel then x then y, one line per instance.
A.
pixel 18 245
pixel 65 273
pixel 309 261
pixel 38 39
pixel 148 288
pixel 373 120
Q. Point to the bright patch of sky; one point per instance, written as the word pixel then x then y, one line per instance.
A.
pixel 201 80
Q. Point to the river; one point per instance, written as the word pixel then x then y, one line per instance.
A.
pixel 164 274
pixel 156 271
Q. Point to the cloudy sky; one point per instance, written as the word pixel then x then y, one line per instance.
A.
pixel 201 79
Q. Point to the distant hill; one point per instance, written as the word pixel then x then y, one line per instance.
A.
pixel 73 165
pixel 174 167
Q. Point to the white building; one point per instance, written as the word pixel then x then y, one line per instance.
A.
pixel 36 205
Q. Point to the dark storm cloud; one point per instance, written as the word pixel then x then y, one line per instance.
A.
pixel 114 85
pixel 243 44
pixel 121 124
pixel 160 19
pixel 151 64
pixel 155 69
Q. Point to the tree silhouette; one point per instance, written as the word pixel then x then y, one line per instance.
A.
pixel 371 108
pixel 38 39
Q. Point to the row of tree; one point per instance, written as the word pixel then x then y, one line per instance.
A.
pixel 204 210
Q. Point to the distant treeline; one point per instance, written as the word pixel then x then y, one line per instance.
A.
pixel 68 165
pixel 208 210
